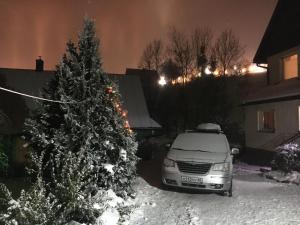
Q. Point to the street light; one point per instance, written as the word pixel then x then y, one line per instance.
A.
pixel 162 81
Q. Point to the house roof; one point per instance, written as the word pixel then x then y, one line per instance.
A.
pixel 283 31
pixel 142 72
pixel 251 83
pixel 283 91
pixel 14 108
pixel 134 101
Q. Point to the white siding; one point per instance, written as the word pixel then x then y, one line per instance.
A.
pixel 276 66
pixel 286 124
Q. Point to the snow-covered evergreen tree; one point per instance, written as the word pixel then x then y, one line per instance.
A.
pixel 90 121
pixel 80 147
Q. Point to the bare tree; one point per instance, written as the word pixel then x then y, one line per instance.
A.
pixel 157 53
pixel 180 50
pixel 201 40
pixel 227 51
pixel 170 69
pixel 152 56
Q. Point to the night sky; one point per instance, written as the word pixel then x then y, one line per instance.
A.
pixel 30 28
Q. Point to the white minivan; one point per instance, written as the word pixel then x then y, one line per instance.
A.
pixel 200 159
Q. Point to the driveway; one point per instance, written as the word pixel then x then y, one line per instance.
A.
pixel 255 200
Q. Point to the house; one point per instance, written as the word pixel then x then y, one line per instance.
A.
pixel 15 108
pixel 149 80
pixel 272 112
pixel 133 99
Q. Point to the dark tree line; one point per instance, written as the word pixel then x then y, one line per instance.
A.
pixel 206 99
pixel 210 99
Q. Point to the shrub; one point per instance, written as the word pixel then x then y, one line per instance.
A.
pixel 287 158
pixel 3 158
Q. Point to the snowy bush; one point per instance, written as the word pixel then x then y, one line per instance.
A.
pixel 35 206
pixel 58 204
pixel 287 158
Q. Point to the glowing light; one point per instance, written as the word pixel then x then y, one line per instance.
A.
pixel 235 67
pixel 162 81
pixel 207 70
pixel 127 124
pixel 216 72
pixel 179 79
pixel 255 69
pixel 124 113
pixel 244 70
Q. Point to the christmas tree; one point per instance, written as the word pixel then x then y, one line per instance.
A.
pixel 82 143
pixel 90 120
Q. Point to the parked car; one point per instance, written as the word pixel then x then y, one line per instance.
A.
pixel 200 159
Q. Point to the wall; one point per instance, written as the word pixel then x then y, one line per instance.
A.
pixel 275 64
pixel 286 124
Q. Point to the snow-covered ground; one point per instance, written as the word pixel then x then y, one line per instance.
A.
pixel 256 200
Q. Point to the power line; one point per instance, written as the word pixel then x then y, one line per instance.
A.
pixel 34 97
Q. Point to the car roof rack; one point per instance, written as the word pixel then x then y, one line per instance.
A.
pixel 215 131
pixel 207 128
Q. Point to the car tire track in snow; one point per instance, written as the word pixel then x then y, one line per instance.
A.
pixel 255 201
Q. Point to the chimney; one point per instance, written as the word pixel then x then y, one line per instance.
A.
pixel 39 64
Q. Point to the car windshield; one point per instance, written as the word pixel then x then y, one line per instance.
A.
pixel 205 142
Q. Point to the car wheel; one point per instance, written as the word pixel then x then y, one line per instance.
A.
pixel 163 186
pixel 228 192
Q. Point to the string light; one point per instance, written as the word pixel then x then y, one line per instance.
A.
pixel 123 113
pixel 34 97
pixel 109 90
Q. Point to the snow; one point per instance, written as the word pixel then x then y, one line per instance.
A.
pixel 292 177
pixel 209 126
pixel 256 200
pixel 202 141
pixel 113 199
pixel 96 206
pixel 109 217
pixel 111 203
pixel 123 154
pixel 108 167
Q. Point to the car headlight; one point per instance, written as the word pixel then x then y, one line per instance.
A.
pixel 169 162
pixel 221 167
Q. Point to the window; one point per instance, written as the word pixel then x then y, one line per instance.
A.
pixel 299 117
pixel 266 121
pixel 290 66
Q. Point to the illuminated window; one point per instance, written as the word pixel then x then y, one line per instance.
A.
pixel 266 121
pixel 299 117
pixel 290 66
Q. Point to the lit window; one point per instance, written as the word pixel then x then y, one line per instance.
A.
pixel 290 66
pixel 266 121
pixel 299 117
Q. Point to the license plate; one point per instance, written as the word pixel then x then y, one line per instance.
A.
pixel 196 180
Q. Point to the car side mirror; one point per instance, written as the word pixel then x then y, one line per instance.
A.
pixel 167 147
pixel 235 151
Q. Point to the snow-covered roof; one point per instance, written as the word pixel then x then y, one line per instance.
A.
pixel 134 101
pixel 32 82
